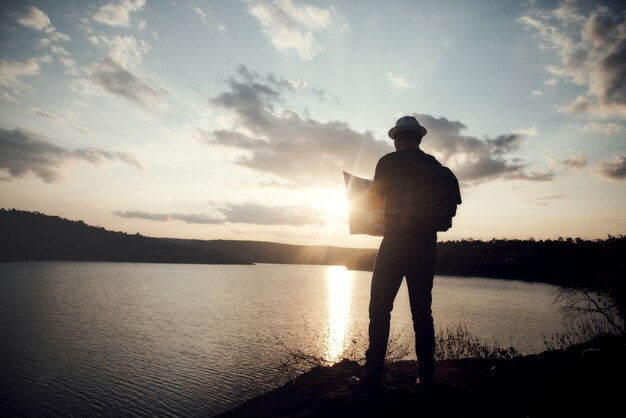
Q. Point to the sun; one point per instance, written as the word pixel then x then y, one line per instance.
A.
pixel 334 203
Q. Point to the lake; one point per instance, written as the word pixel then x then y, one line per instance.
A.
pixel 136 339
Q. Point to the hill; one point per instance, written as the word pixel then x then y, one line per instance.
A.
pixel 33 236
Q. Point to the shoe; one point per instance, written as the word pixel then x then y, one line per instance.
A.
pixel 367 384
pixel 426 386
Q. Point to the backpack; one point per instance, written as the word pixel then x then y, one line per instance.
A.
pixel 431 197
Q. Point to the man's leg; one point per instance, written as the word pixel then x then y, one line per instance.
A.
pixel 386 280
pixel 420 283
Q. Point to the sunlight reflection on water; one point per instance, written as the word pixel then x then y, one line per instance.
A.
pixel 339 284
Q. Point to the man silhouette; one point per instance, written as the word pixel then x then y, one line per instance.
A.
pixel 405 251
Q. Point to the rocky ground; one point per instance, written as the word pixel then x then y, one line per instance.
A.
pixel 586 380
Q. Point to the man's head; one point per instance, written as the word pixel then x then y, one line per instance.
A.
pixel 407 133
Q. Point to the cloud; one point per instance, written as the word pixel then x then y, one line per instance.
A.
pixel 290 26
pixel 208 19
pixel 611 128
pixel 248 213
pixel 591 49
pixel 119 71
pixel 282 142
pixel 575 161
pixel 36 19
pixel 302 150
pixel 542 201
pixel 47 115
pixel 398 81
pixel 251 213
pixel 124 49
pixel 12 71
pixel 23 151
pixel 614 169
pixel 39 21
pixel 528 132
pixel 113 77
pixel 474 160
pixel 191 218
pixel 118 14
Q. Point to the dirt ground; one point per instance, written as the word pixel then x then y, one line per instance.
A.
pixel 586 380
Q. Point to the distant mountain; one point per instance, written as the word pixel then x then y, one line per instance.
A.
pixel 28 236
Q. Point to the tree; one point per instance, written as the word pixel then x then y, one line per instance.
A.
pixel 602 295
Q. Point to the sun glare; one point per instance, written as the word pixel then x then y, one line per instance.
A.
pixel 333 203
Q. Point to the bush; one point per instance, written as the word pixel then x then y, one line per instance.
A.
pixel 458 342
pixel 450 343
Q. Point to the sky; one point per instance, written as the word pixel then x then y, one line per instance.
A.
pixel 235 119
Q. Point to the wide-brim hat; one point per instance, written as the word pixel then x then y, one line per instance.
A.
pixel 407 123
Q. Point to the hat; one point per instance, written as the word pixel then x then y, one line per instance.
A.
pixel 406 123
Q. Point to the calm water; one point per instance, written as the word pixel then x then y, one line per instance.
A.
pixel 128 339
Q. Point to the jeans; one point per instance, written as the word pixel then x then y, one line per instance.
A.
pixel 396 259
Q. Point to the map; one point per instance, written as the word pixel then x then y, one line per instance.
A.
pixel 362 219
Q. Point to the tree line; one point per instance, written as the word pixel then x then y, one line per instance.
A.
pixel 564 261
pixel 34 236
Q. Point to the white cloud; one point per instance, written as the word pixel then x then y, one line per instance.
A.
pixel 34 19
pixel 70 66
pixel 208 19
pixel 247 213
pixel 590 46
pixel 119 13
pixel 126 50
pixel 575 161
pixel 64 58
pixel 59 50
pixel 201 13
pixel 119 72
pixel 398 81
pixel 610 128
pixel 47 115
pixel 528 132
pixel 12 71
pixel 290 26
pixel 55 36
